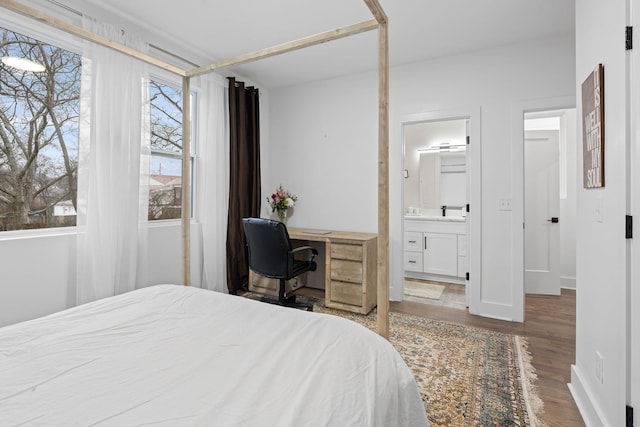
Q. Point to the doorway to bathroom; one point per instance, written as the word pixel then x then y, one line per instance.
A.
pixel 435 212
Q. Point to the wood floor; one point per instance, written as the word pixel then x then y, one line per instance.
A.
pixel 550 330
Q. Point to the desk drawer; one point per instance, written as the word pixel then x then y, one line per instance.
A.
pixel 266 286
pixel 342 251
pixel 346 293
pixel 346 271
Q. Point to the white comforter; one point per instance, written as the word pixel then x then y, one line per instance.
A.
pixel 179 356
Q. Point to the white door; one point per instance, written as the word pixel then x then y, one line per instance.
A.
pixel 541 213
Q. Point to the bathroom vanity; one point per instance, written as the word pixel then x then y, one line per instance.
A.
pixel 435 248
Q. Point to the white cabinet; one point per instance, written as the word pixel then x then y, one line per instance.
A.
pixel 440 254
pixel 435 250
pixel 413 254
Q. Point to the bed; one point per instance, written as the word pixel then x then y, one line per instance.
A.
pixel 181 356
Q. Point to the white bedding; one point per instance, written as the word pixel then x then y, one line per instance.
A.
pixel 172 355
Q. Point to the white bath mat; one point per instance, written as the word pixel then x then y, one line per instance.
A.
pixel 423 289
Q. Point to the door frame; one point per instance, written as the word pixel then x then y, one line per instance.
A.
pixel 474 190
pixel 518 110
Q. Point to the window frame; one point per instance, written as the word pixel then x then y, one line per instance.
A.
pixel 45 33
pixel 58 38
pixel 169 79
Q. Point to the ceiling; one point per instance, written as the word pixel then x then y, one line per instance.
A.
pixel 204 31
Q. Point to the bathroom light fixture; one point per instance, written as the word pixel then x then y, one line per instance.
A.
pixel 443 147
pixel 23 64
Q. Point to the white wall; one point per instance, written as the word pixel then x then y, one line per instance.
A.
pixel 38 272
pixel 601 245
pixel 325 138
pixel 323 148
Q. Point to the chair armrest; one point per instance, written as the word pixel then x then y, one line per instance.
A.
pixel 314 251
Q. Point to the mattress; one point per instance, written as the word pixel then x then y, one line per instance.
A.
pixel 172 355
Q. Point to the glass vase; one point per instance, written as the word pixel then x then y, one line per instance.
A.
pixel 282 216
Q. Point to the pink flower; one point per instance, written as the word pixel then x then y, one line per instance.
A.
pixel 281 200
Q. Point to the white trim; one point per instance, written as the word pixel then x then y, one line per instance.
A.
pixel 633 208
pixel 518 109
pixel 37 233
pixel 567 282
pixel 474 169
pixel 591 413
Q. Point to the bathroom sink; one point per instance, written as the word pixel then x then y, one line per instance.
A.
pixel 434 218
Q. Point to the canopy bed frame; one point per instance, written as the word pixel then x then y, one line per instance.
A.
pixel 379 22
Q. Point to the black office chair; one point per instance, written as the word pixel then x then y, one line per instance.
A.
pixel 271 255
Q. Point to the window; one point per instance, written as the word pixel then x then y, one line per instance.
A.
pixel 165 183
pixel 38 134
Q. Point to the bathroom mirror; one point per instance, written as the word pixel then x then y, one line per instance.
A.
pixel 435 160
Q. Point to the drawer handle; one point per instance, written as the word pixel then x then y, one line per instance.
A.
pixel 412 241
pixel 425 243
pixel 412 262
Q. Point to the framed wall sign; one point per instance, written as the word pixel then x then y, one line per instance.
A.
pixel 593 129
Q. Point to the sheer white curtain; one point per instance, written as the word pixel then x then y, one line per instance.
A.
pixel 112 168
pixel 213 189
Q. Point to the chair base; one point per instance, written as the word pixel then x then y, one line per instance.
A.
pixel 288 302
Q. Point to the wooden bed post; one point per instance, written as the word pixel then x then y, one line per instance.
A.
pixel 186 180
pixel 383 167
pixel 383 185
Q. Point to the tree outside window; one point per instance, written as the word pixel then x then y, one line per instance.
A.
pixel 39 121
pixel 165 184
pixel 38 135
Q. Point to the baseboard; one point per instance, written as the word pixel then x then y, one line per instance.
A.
pixel 589 409
pixel 567 283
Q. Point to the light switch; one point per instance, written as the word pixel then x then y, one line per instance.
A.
pixel 598 212
pixel 504 204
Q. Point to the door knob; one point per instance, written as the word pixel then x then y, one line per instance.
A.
pixel 554 220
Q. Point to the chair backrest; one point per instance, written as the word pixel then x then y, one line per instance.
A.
pixel 269 247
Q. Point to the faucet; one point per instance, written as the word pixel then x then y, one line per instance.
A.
pixel 444 211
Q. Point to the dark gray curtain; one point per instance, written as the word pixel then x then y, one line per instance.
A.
pixel 244 180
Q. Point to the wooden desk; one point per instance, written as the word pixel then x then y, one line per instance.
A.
pixel 350 268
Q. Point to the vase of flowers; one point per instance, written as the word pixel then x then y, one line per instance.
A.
pixel 280 202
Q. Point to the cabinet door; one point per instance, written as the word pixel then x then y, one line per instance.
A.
pixel 462 266
pixel 440 253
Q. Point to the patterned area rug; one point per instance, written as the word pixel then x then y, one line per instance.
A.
pixel 467 376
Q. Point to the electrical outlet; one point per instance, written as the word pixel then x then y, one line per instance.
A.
pixel 599 367
pixel 504 204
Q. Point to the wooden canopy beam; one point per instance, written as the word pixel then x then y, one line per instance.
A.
pixel 87 35
pixel 380 22
pixel 302 43
pixel 377 11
